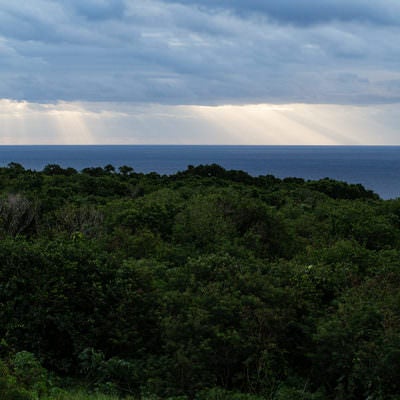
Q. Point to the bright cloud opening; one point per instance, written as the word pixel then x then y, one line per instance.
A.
pixel 262 124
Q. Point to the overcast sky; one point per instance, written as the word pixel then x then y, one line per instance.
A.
pixel 283 71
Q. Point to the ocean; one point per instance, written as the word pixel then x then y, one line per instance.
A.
pixel 375 167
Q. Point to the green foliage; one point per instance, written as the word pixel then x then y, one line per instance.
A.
pixel 221 394
pixel 29 373
pixel 8 388
pixel 290 393
pixel 207 284
pixel 342 190
pixel 23 379
pixel 358 343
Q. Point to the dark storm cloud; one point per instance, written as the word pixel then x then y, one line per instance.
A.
pixel 218 52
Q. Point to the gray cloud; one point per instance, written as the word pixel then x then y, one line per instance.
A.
pixel 99 9
pixel 305 12
pixel 187 52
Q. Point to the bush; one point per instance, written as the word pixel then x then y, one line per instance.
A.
pixel 221 394
pixel 29 373
pixel 9 387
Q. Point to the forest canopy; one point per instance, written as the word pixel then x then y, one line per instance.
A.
pixel 205 284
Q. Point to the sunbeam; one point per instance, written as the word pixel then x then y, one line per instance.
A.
pixel 252 124
pixel 71 126
pixel 30 123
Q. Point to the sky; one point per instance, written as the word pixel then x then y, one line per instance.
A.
pixel 199 72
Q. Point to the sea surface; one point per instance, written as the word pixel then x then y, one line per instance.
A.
pixel 376 167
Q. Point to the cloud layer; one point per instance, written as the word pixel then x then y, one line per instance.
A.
pixel 92 123
pixel 201 52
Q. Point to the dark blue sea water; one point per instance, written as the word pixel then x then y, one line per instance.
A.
pixel 376 167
